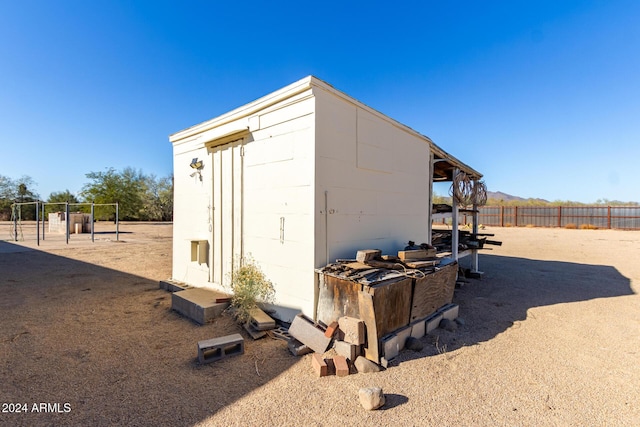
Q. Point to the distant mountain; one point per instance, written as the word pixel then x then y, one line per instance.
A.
pixel 499 195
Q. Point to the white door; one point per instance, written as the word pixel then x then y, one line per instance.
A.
pixel 226 211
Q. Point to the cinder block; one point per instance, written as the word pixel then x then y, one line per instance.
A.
pixel 432 322
pixel 402 335
pixel 297 348
pixel 198 304
pixel 449 311
pixel 353 330
pixel 219 348
pixel 418 329
pixel 342 367
pixel 331 329
pixel 319 365
pixel 304 330
pixel 348 350
pixel 260 320
pixel 390 346
pixel 172 285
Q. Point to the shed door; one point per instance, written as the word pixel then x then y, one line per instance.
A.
pixel 226 210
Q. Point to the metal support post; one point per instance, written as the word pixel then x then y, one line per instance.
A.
pixel 117 230
pixel 43 215
pixel 92 213
pixel 37 224
pixel 66 220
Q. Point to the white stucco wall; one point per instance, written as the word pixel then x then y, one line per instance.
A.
pixel 376 178
pixel 278 202
pixel 274 192
pixel 302 145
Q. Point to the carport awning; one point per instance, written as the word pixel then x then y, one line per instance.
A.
pixel 444 165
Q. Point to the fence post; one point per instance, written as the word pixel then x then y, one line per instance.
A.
pixel 609 217
pixel 92 221
pixel 117 220
pixel 559 216
pixel 66 220
pixel 501 216
pixel 37 224
pixel 515 216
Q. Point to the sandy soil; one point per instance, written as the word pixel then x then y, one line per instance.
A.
pixel 551 336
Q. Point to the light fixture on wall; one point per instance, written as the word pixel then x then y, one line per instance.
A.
pixel 198 166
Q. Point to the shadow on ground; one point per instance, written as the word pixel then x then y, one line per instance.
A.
pixel 510 288
pixel 107 342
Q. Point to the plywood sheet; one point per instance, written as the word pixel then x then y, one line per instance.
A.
pixel 392 304
pixel 433 291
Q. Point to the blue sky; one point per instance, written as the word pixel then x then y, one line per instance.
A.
pixel 542 97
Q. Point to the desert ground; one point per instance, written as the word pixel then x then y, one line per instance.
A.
pixel 550 337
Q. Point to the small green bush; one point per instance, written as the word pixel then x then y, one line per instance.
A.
pixel 249 286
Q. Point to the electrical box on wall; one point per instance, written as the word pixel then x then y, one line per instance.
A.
pixel 199 251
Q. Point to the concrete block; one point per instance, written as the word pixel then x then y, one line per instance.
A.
pixel 173 285
pixel 353 330
pixel 260 320
pixel 432 322
pixel 402 335
pixel 255 334
pixel 449 311
pixel 220 348
pixel 348 350
pixel 342 367
pixel 418 328
pixel 390 346
pixel 319 365
pixel 297 348
pixel 307 332
pixel 198 304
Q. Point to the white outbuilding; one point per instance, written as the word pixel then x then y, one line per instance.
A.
pixel 295 180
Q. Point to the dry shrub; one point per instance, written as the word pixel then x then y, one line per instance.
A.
pixel 508 224
pixel 571 226
pixel 249 286
pixel 530 226
pixel 588 227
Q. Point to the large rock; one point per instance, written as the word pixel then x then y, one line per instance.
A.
pixel 365 366
pixel 448 325
pixel 371 398
pixel 413 344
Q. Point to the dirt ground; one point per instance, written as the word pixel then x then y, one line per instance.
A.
pixel 551 337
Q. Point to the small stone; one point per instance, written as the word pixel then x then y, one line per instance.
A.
pixel 413 344
pixel 365 366
pixel 448 325
pixel 460 321
pixel 371 398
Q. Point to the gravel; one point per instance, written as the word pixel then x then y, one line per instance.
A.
pixel 551 337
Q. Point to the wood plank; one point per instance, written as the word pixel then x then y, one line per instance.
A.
pixel 367 314
pixel 422 264
pixel 364 255
pixel 416 254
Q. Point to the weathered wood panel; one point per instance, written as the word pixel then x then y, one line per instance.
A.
pixel 392 304
pixel 337 298
pixel 433 291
